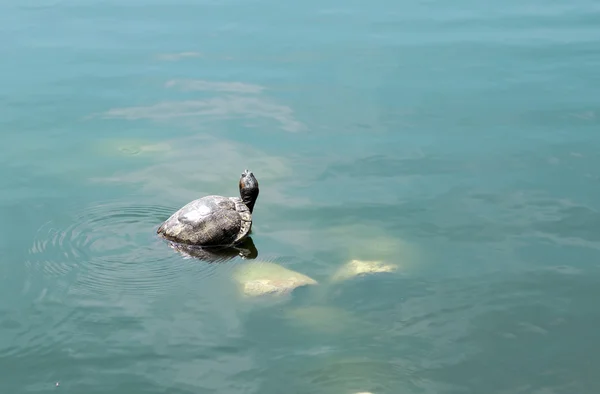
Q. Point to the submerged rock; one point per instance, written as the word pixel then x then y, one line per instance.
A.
pixel 362 267
pixel 264 278
pixel 323 319
pixel 133 147
pixel 364 240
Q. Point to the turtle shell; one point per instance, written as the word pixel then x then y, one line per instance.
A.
pixel 208 221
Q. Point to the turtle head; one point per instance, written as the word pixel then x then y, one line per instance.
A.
pixel 248 189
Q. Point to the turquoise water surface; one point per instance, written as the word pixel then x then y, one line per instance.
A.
pixel 458 141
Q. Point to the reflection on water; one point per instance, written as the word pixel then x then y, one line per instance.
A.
pixel 245 249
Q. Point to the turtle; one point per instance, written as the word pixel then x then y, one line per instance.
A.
pixel 214 220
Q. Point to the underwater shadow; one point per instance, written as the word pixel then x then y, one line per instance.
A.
pixel 217 254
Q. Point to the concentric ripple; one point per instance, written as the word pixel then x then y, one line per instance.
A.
pixel 110 247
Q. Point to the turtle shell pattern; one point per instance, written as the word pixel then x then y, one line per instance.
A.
pixel 208 221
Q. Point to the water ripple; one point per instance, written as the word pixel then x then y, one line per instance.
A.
pixel 109 247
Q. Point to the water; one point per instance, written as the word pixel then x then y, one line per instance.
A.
pixel 457 140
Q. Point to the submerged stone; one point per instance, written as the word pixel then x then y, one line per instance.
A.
pixel 362 267
pixel 323 319
pixel 133 147
pixel 264 278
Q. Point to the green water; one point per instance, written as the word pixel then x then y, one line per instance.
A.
pixel 457 141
